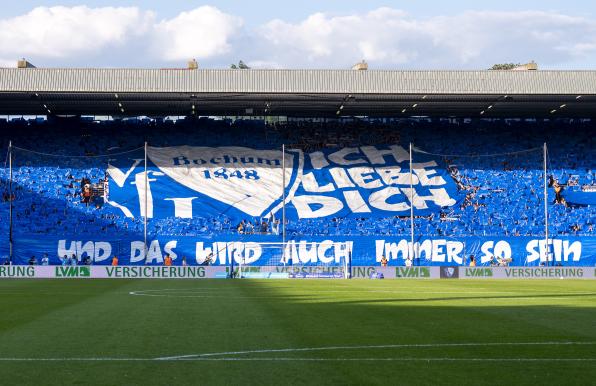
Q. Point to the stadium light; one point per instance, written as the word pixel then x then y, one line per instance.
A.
pixel 578 97
pixel 116 96
pixel 414 105
pixel 424 97
pixel 563 106
pixel 341 107
pixel 482 112
pixel 553 111
pixel 490 107
pixel 403 111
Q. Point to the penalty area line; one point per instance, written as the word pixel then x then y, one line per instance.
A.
pixel 369 347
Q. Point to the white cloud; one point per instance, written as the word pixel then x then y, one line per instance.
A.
pixel 59 32
pixel 66 32
pixel 387 38
pixel 201 33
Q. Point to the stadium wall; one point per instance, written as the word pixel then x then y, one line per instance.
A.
pixel 359 272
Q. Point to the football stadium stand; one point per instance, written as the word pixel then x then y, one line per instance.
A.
pixel 412 167
pixel 495 169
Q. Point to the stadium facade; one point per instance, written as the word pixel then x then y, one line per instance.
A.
pixel 414 167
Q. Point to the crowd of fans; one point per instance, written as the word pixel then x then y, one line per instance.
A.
pixel 58 187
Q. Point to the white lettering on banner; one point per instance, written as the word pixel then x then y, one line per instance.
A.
pixel 310 184
pixel 559 250
pixel 394 176
pixel 63 251
pixel 317 160
pixel 224 252
pixel 438 196
pixel 328 206
pixel 169 248
pixel 137 251
pixel 501 250
pixel 97 251
pixel 323 247
pixel 154 253
pixel 365 177
pixel 339 157
pixel 379 199
pixel 304 254
pixel 442 251
pixel 425 175
pixel 377 156
pixel 103 251
pixel 86 249
pixel 326 251
pixel 454 248
pixel 355 201
pixel 341 178
pixel 244 253
pixel 201 252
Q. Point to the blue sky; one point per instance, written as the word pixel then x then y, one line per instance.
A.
pixel 299 34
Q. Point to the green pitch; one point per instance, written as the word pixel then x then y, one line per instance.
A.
pixel 246 332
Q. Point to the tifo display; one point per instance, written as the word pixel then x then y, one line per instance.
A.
pixel 241 194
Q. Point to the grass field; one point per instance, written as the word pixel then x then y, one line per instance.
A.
pixel 249 332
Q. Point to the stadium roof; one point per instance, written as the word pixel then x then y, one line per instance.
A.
pixel 39 91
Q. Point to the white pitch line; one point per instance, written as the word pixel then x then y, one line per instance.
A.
pixel 329 348
pixel 321 294
pixel 283 359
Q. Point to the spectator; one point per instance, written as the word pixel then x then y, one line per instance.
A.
pixel 408 262
pixel 74 260
pixel 383 261
pixel 64 260
pixel 88 260
pixel 32 260
pixel 275 227
pixel 167 261
pixel 558 191
pixel 184 261
pixel 115 260
pixel 472 261
pixel 45 260
pixel 264 227
pixel 240 227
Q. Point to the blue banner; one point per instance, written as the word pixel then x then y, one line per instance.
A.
pixel 579 197
pixel 241 183
pixel 267 250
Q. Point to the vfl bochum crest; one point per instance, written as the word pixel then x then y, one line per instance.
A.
pixel 240 183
